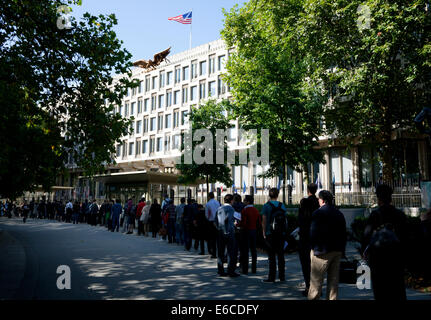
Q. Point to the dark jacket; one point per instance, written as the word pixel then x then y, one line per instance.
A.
pixel 306 209
pixel 155 214
pixel 328 230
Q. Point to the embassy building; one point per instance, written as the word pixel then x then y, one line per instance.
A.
pixel 160 105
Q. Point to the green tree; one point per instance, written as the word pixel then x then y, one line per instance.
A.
pixel 266 73
pixel 211 116
pixel 376 70
pixel 57 94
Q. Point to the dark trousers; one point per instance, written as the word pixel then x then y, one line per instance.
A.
pixel 227 242
pixel 115 223
pixel 201 242
pixel 304 250
pixel 274 246
pixel 140 227
pixel 212 239
pixel 171 231
pixel 187 236
pixel 155 228
pixel 248 244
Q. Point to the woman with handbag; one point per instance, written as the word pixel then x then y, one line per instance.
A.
pixel 145 218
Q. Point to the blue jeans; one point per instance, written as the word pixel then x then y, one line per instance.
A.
pixel 227 242
pixel 115 223
pixel 179 230
pixel 75 218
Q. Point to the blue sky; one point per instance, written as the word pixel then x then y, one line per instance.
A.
pixel 144 27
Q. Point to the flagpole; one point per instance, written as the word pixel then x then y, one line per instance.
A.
pixel 191 30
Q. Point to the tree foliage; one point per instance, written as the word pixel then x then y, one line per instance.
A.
pixel 212 116
pixel 57 94
pixel 377 77
pixel 266 73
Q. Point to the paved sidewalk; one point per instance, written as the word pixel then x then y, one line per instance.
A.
pixel 107 265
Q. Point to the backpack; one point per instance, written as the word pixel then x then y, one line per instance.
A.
pixel 278 223
pixel 222 219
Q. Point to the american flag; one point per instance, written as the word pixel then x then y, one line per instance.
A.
pixel 185 18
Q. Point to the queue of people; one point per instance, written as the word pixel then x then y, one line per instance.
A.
pixel 231 231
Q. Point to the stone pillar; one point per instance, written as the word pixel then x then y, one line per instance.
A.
pixel 356 186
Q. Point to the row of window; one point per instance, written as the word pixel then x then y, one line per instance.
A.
pixel 173 98
pixel 171 120
pixel 181 74
pixel 149 146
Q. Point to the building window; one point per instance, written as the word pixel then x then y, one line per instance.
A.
pixel 144 146
pixel 153 102
pixel 138 126
pixel 193 93
pixel 202 68
pixel 194 69
pixel 124 149
pixel 167 143
pixel 134 91
pixel 176 142
pixel 168 118
pixel 145 124
pixel 139 106
pixel 221 86
pixel 202 90
pixel 177 74
pixel 161 101
pixel 162 80
pixel 185 96
pixel 159 144
pixel 153 124
pixel 152 144
pixel 221 62
pixel 212 89
pixel 154 83
pixel 185 73
pixel 176 97
pixel 132 108
pixel 146 102
pixel 211 65
pixel 131 147
pixel 176 118
pixel 184 119
pixel 118 150
pixel 126 112
pixel 147 83
pixel 138 147
pixel 169 78
pixel 160 122
pixel 140 87
pixel 168 99
pixel 122 111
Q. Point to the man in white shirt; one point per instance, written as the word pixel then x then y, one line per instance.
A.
pixel 210 213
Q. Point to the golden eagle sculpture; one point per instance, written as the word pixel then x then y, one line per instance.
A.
pixel 152 64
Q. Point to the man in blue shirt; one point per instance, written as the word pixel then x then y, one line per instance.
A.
pixel 226 224
pixel 274 242
pixel 115 214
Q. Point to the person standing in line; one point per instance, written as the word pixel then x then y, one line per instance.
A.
pixel 225 222
pixel 171 220
pixel 132 218
pixel 69 211
pixel 179 226
pixel 250 221
pixel 115 215
pixel 386 236
pixel 75 214
pixel 25 211
pixel 210 213
pixel 306 208
pixel 200 223
pixel 155 217
pixel 145 218
pixel 139 209
pixel 274 235
pixel 328 238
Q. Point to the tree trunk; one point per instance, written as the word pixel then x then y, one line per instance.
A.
pixel 386 153
pixel 284 183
